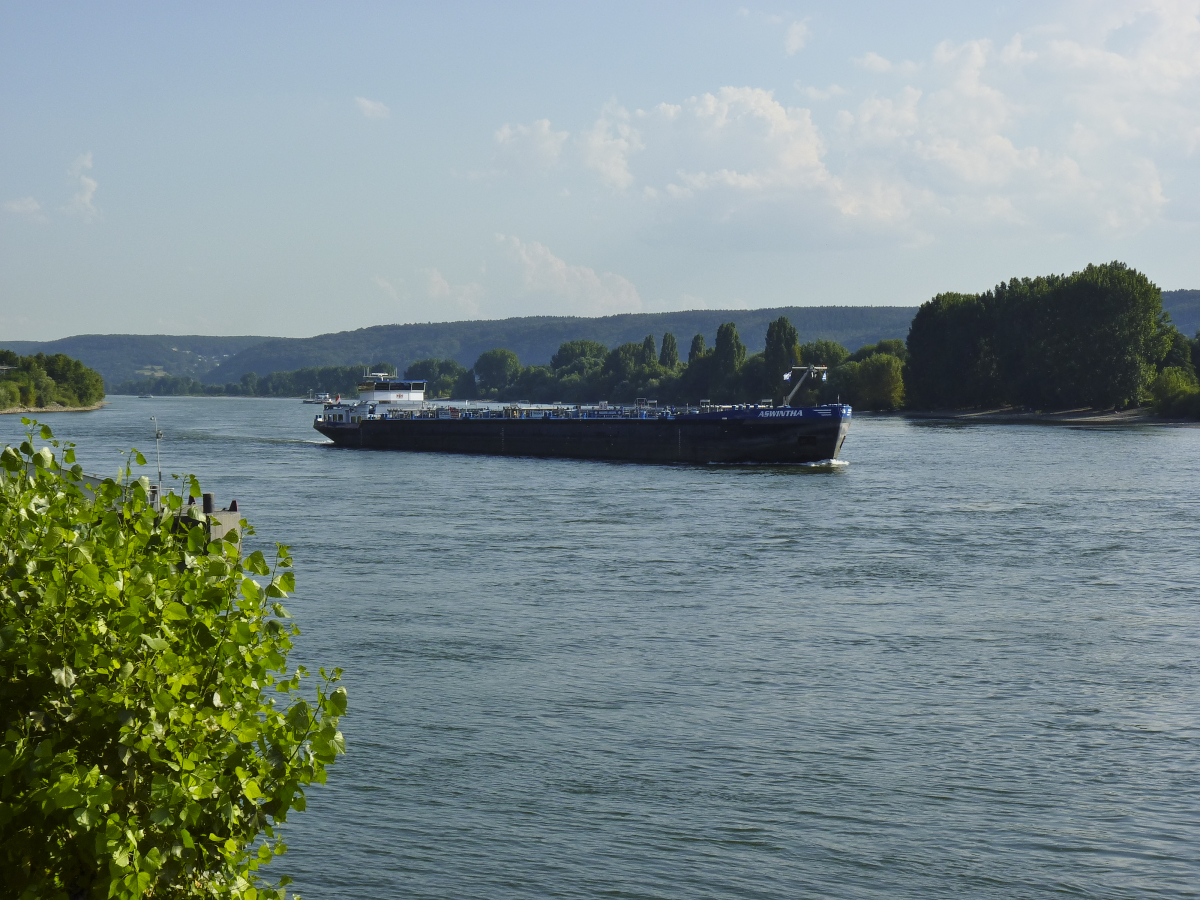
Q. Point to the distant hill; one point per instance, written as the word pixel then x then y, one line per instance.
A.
pixel 1184 307
pixel 120 357
pixel 123 357
pixel 535 338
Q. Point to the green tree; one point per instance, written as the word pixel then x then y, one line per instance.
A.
pixel 154 736
pixel 1179 352
pixel 466 388
pixel 42 380
pixel 572 351
pixel 649 351
pixel 697 349
pixel 1093 338
pixel 951 357
pixel 441 375
pixel 892 346
pixel 669 357
pixel 822 352
pixel 782 351
pixel 729 352
pixel 879 382
pixel 623 362
pixel 1176 392
pixel 496 369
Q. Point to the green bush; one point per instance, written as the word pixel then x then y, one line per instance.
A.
pixel 1176 392
pixel 153 734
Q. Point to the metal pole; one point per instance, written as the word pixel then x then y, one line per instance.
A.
pixel 158 452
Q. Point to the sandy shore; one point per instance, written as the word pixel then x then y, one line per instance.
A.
pixel 13 410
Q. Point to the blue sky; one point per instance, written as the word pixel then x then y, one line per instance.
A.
pixel 293 169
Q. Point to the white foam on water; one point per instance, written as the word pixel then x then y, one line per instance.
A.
pixel 826 464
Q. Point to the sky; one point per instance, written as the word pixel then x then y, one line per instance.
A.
pixel 294 169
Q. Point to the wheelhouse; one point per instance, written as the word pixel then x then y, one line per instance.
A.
pixel 380 388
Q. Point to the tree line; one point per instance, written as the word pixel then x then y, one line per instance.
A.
pixel 322 379
pixel 586 371
pixel 41 380
pixel 1097 338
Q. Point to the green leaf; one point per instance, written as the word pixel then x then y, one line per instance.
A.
pixel 90 575
pixel 141 460
pixel 336 704
pixel 175 611
pixel 85 817
pixel 154 642
pixel 197 539
pixel 257 563
pixel 11 460
pixel 63 677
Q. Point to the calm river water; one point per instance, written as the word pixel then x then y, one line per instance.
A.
pixel 966 664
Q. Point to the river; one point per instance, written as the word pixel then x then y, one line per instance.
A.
pixel 964 664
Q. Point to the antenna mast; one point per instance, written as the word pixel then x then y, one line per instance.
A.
pixel 158 452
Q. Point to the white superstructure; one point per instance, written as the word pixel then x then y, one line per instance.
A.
pixel 379 387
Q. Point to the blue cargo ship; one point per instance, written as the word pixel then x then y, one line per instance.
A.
pixel 394 415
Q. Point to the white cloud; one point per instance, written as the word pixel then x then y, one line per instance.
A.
pixel 372 109
pixel 451 300
pixel 26 206
pixel 570 289
pixel 752 142
pixel 536 146
pixel 1014 52
pixel 797 36
pixel 873 62
pixel 815 93
pixel 1086 126
pixel 606 147
pixel 81 204
pixel 388 289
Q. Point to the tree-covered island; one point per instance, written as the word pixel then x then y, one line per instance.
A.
pixel 46 382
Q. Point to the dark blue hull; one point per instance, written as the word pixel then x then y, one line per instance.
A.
pixel 745 435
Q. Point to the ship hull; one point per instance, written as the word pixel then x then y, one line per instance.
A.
pixel 744 436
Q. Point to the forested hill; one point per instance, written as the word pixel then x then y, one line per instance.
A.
pixel 1184 307
pixel 123 357
pixel 536 338
pixel 130 357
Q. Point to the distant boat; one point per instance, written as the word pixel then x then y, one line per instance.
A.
pixel 317 398
pixel 145 396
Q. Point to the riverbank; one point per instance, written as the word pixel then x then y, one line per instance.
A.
pixel 13 410
pixel 1009 416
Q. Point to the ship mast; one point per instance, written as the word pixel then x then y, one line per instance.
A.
pixel 805 372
